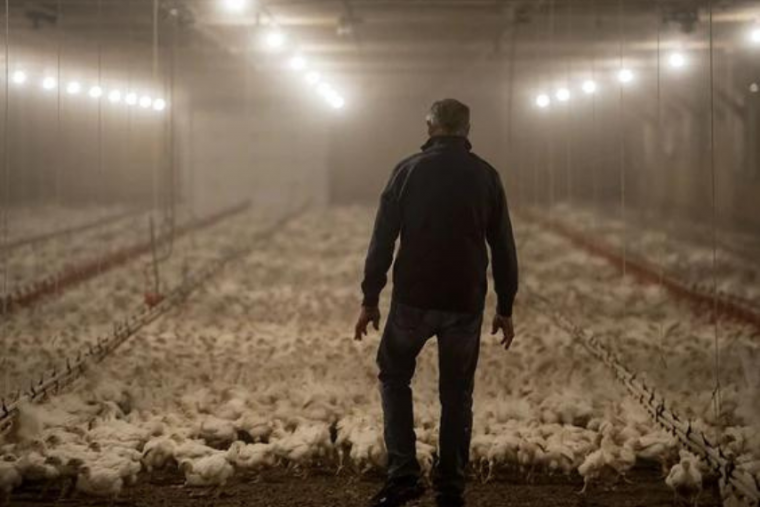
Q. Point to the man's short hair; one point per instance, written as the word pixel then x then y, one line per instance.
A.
pixel 450 116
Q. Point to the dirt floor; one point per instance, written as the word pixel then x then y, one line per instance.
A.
pixel 279 488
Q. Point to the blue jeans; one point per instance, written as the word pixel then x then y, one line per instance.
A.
pixel 406 332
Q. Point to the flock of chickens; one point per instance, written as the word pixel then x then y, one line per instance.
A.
pixel 682 247
pixel 258 369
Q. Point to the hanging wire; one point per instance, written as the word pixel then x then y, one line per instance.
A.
pixel 659 166
pixel 596 154
pixel 566 127
pixel 621 134
pixel 552 129
pixel 6 193
pixel 100 171
pixel 57 139
pixel 713 197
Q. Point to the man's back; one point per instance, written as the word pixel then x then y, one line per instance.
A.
pixel 445 202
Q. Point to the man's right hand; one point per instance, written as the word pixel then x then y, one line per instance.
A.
pixel 367 315
pixel 508 330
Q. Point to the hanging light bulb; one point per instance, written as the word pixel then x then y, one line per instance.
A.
pixel 49 83
pixel 19 77
pixel 754 35
pixel 114 97
pixel 131 99
pixel 313 78
pixel 159 104
pixel 589 87
pixel 297 62
pixel 677 60
pixel 73 88
pixel 337 102
pixel 274 39
pixel 562 95
pixel 235 6
pixel 96 92
pixel 145 102
pixel 543 101
pixel 625 76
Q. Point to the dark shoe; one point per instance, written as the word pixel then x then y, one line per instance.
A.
pixel 397 492
pixel 449 500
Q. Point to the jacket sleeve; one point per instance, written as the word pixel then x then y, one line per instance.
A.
pixel 383 243
pixel 503 251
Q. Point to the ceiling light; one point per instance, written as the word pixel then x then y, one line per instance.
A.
pixel 274 40
pixel 625 76
pixel 589 87
pixel 19 77
pixel 73 88
pixel 114 96
pixel 131 99
pixel 145 102
pixel 337 102
pixel 543 100
pixel 96 92
pixel 297 62
pixel 563 94
pixel 754 35
pixel 325 89
pixel 49 83
pixel 159 104
pixel 312 78
pixel 754 88
pixel 235 6
pixel 677 60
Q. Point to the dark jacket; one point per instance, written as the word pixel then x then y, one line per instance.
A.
pixel 446 202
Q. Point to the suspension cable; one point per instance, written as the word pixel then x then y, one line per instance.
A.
pixel 621 147
pixel 713 204
pixel 57 140
pixel 661 252
pixel 6 178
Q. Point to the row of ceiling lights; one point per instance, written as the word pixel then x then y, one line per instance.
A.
pixel 676 60
pixel 276 41
pixel 20 78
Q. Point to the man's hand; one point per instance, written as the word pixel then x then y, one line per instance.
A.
pixel 367 315
pixel 508 330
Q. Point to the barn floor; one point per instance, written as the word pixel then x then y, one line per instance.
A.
pixel 267 346
pixel 318 488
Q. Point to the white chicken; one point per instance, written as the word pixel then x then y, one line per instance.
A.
pixel 211 471
pixel 10 479
pixel 158 452
pixel 252 456
pixel 100 481
pixel 685 479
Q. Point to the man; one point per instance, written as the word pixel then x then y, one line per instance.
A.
pixel 445 203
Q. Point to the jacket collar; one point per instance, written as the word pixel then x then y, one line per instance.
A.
pixel 447 141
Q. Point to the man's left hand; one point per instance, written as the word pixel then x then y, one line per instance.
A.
pixel 504 324
pixel 367 315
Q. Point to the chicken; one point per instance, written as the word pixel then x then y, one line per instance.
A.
pixel 35 467
pixel 607 463
pixel 685 479
pixel 504 450
pixel 10 479
pixel 216 431
pixel 192 449
pixel 211 471
pixel 158 452
pixel 100 481
pixel 425 457
pixel 251 456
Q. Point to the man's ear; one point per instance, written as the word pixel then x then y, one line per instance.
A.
pixel 430 129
